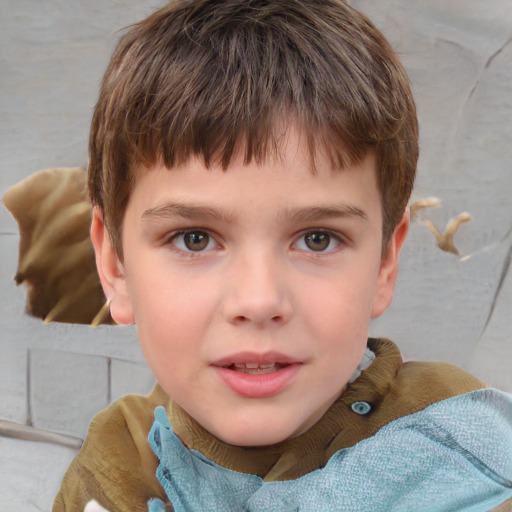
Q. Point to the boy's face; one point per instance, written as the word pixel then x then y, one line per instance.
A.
pixel 252 289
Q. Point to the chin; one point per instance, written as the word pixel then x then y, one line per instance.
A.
pixel 253 440
pixel 265 434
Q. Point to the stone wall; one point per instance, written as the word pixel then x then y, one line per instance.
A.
pixel 458 308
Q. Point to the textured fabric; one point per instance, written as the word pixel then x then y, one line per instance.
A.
pixel 453 455
pixel 116 465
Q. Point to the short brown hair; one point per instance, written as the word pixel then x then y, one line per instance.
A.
pixel 210 77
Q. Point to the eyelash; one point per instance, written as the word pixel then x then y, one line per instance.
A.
pixel 333 237
pixel 187 252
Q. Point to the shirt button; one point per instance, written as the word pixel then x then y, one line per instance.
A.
pixel 361 408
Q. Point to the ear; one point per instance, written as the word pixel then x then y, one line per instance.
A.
pixel 388 271
pixel 111 271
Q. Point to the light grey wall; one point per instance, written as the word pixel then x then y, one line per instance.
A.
pixel 447 307
pixel 459 57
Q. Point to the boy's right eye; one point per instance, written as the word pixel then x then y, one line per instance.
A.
pixel 193 241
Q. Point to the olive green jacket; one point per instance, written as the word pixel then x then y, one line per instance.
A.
pixel 117 467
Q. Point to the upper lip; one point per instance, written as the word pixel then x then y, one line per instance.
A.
pixel 255 358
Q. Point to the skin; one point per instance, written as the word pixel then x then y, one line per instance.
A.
pixel 283 261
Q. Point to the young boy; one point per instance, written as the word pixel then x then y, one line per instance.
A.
pixel 250 167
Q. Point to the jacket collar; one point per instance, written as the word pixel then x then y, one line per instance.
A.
pixel 298 456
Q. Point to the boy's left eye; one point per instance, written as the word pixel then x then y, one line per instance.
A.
pixel 193 241
pixel 318 241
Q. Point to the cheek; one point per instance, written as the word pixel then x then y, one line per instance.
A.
pixel 170 341
pixel 172 317
pixel 341 306
pixel 167 322
pixel 166 296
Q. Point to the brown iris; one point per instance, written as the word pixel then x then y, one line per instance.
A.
pixel 196 240
pixel 317 241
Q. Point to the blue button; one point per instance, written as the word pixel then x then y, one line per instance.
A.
pixel 361 408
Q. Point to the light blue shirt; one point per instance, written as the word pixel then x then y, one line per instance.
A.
pixel 455 455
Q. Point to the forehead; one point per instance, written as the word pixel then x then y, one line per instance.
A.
pixel 286 182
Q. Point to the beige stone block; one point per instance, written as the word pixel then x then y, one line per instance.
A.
pixel 66 390
pixel 30 474
pixel 13 382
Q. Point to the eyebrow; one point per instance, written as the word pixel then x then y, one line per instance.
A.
pixel 185 211
pixel 315 213
pixel 306 214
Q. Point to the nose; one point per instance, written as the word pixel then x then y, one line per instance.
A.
pixel 258 292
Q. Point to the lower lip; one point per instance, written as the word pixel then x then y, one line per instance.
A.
pixel 260 385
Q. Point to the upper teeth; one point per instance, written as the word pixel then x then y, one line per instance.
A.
pixel 253 366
